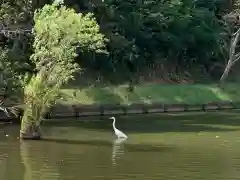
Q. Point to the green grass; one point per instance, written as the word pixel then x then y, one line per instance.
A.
pixel 156 93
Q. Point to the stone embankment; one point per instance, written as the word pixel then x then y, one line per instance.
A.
pixel 70 111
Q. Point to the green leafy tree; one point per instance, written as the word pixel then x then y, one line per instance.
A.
pixel 14 12
pixel 12 79
pixel 15 17
pixel 182 33
pixel 58 31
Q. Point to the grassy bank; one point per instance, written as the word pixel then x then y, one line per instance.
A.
pixel 155 93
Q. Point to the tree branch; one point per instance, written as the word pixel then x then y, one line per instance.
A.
pixel 233 58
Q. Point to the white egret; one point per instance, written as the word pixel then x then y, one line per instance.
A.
pixel 118 133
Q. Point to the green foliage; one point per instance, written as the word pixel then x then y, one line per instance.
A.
pixel 12 79
pixel 183 33
pixel 51 38
pixel 17 14
pixel 177 30
pixel 58 31
pixel 15 11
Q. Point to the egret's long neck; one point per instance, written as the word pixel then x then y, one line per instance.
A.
pixel 114 127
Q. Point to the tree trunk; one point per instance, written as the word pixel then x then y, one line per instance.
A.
pixel 31 132
pixel 233 56
pixel 225 73
pixel 30 129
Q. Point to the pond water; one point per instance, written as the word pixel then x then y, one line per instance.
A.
pixel 183 147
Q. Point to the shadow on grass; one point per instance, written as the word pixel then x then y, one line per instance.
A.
pixel 157 123
pixel 103 96
pixel 168 94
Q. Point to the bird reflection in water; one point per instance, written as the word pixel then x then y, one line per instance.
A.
pixel 117 150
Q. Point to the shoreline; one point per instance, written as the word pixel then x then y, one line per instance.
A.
pixel 78 111
pixel 145 99
pixel 75 111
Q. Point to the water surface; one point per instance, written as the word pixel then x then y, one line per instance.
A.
pixel 182 147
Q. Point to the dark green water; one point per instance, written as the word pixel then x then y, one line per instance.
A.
pixel 189 147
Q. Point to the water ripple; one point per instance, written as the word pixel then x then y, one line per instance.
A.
pixel 103 159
